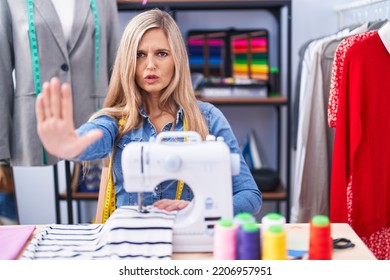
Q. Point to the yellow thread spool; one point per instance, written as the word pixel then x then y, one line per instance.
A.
pixel 274 245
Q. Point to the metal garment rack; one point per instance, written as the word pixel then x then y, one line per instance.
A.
pixel 70 195
pixel 358 6
pixel 69 200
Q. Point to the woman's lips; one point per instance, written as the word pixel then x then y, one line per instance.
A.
pixel 151 78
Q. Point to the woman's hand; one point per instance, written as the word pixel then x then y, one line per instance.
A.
pixel 171 204
pixel 54 112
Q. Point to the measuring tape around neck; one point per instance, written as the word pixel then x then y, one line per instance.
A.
pixel 180 183
pixel 109 205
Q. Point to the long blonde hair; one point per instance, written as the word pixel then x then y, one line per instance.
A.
pixel 124 97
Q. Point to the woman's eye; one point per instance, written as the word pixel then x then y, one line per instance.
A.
pixel 162 54
pixel 140 54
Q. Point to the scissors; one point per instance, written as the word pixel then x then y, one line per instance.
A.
pixel 342 243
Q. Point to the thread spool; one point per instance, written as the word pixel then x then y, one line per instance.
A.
pixel 243 218
pixel 248 242
pixel 274 243
pixel 320 241
pixel 225 240
pixel 270 219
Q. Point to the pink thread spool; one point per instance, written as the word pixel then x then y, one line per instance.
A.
pixel 225 240
pixel 320 243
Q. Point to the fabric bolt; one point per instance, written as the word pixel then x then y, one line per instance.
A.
pixel 360 193
pixel 127 234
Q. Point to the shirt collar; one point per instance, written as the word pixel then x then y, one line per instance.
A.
pixel 179 114
pixel 384 34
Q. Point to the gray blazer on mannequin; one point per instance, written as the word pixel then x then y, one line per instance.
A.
pixel 73 62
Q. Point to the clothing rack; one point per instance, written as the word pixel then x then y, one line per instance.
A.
pixel 364 10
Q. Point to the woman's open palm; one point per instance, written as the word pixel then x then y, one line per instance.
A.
pixel 55 125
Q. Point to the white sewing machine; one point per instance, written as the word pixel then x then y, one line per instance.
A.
pixel 205 166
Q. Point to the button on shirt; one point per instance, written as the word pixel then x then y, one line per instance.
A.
pixel 246 195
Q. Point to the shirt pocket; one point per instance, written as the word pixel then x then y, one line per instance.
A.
pixel 127 139
pixel 122 143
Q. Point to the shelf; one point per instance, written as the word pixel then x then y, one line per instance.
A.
pixel 216 4
pixel 275 101
pixel 81 196
pixel 277 195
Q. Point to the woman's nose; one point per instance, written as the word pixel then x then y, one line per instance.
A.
pixel 150 63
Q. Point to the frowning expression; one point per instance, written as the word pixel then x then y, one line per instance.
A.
pixel 155 65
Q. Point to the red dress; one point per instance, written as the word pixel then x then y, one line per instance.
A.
pixel 360 182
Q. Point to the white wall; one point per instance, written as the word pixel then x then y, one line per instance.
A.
pixel 35 191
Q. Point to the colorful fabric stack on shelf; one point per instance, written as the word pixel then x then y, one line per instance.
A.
pixel 206 54
pixel 250 56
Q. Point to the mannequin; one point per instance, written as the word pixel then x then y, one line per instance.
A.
pixel 70 55
pixel 66 43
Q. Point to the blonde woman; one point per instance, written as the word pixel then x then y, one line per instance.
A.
pixel 151 91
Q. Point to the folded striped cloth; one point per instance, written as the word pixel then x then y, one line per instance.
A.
pixel 127 234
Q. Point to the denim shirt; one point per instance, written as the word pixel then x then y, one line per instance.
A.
pixel 246 195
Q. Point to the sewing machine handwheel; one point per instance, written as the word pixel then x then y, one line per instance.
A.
pixel 172 162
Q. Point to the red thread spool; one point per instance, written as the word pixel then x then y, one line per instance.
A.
pixel 321 245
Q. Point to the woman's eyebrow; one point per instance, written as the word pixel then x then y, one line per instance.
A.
pixel 157 50
pixel 163 50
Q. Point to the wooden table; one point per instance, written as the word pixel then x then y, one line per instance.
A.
pixel 297 239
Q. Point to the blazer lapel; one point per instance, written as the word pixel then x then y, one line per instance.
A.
pixel 49 14
pixel 80 17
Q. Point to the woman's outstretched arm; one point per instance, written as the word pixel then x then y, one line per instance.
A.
pixel 55 125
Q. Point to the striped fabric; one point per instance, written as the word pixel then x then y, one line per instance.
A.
pixel 127 234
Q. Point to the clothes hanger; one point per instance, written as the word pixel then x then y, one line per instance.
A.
pixel 376 25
